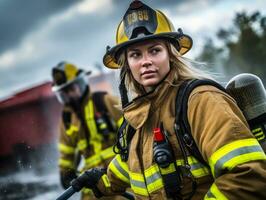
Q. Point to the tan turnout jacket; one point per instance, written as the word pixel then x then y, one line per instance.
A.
pixel 85 139
pixel 237 163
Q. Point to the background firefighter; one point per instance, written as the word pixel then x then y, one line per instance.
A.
pixel 89 121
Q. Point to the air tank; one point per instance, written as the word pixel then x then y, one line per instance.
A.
pixel 249 93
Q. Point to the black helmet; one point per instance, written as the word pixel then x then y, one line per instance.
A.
pixel 139 23
pixel 65 76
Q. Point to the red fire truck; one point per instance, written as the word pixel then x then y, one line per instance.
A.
pixel 28 125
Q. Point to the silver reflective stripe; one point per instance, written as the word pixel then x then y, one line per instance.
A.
pixel 195 166
pixel 120 169
pixel 154 177
pixel 219 166
pixel 210 195
pixel 136 183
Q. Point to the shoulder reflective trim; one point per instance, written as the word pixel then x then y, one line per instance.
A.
pixel 95 138
pixel 119 168
pixel 120 121
pixel 235 153
pixel 137 183
pixel 66 149
pixel 71 130
pixel 106 180
pixel 82 144
pixel 98 158
pixel 214 193
pixel 66 163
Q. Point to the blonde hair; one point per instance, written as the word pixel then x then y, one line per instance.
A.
pixel 184 69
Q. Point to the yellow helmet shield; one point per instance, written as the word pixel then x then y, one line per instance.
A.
pixel 67 77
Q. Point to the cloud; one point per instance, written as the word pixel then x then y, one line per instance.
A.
pixel 60 28
pixel 17 18
pixel 61 36
pixel 78 31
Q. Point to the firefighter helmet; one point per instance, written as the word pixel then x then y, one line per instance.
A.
pixel 66 76
pixel 139 23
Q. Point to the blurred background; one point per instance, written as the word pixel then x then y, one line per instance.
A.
pixel 229 36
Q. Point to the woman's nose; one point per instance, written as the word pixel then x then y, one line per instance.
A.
pixel 146 61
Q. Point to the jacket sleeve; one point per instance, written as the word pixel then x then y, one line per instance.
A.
pixel 236 160
pixel 67 148
pixel 117 179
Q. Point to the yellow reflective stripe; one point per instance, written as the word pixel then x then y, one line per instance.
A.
pixel 106 180
pixel 98 158
pixel 93 161
pixel 138 184
pixel 258 133
pixel 168 170
pixel 119 169
pixel 235 153
pixel 66 163
pixel 95 138
pixel 197 169
pixel 214 193
pixel 103 126
pixel 120 121
pixel 87 191
pixel 153 174
pixel 82 144
pixel 153 178
pixel 66 149
pixel 107 153
pixel 71 130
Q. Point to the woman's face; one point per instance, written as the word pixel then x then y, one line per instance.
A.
pixel 148 62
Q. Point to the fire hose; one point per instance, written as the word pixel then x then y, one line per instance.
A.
pixel 70 191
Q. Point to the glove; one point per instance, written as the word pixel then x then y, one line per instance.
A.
pixel 66 177
pixel 89 179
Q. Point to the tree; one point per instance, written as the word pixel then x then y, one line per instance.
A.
pixel 244 45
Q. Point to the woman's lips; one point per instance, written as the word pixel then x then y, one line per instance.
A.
pixel 148 72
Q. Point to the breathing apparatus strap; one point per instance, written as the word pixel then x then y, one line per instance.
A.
pixel 163 156
pixel 125 131
pixel 182 127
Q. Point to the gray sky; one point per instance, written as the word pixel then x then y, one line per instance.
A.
pixel 37 34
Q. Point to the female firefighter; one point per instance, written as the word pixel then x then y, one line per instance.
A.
pixel 149 54
pixel 89 122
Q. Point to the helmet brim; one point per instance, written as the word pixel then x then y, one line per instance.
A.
pixel 182 43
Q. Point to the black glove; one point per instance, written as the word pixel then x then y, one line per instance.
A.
pixel 66 177
pixel 89 179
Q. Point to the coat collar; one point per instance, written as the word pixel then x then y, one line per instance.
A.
pixel 137 112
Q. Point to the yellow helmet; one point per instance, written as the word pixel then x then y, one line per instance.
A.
pixel 139 23
pixel 65 76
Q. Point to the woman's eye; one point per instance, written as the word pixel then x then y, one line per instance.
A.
pixel 134 55
pixel 155 50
